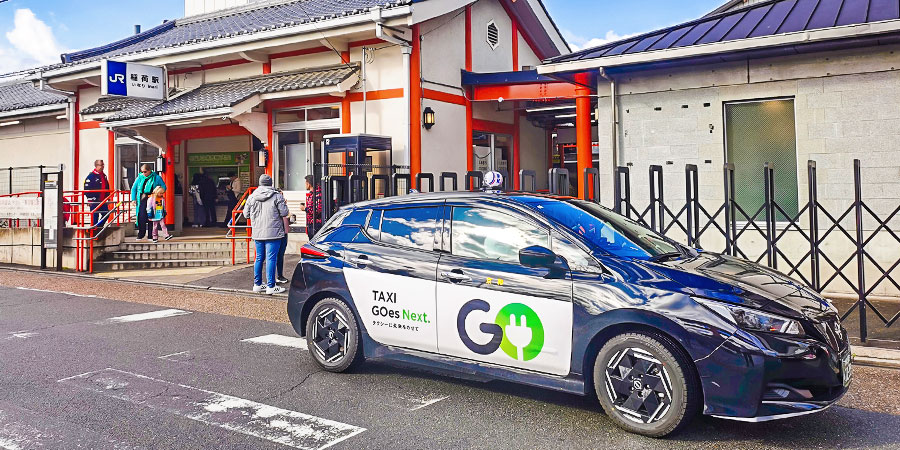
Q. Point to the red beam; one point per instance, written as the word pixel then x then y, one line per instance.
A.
pixel 382 94
pixel 88 124
pixel 531 91
pixel 445 97
pixel 373 41
pixel 305 101
pixel 493 127
pixel 300 52
pixel 183 134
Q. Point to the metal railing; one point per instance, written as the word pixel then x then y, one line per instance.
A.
pixel 89 213
pixel 234 225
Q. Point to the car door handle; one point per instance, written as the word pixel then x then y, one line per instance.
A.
pixel 456 277
pixel 361 260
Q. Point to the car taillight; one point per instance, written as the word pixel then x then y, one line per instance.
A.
pixel 310 252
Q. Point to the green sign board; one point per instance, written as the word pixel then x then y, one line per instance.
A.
pixel 219 159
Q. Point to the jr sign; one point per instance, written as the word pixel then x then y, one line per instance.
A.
pixel 133 80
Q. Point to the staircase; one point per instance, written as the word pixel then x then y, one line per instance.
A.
pixel 174 253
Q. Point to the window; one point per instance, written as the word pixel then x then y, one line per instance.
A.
pixel 493 35
pixel 489 234
pixel 374 227
pixel 410 227
pixel 758 132
pixel 357 217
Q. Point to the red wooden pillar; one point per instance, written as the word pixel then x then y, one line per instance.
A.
pixel 516 165
pixel 169 179
pixel 468 44
pixel 415 107
pixel 582 128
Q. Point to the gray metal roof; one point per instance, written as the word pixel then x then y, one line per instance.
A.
pixel 262 16
pixel 25 95
pixel 223 94
pixel 760 19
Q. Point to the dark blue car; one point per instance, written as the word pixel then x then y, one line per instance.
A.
pixel 564 294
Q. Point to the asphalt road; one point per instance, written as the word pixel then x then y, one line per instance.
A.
pixel 88 372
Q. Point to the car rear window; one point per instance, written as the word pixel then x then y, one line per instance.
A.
pixel 410 227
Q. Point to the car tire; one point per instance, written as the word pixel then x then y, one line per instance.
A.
pixel 333 336
pixel 646 384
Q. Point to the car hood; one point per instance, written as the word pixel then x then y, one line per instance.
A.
pixel 738 281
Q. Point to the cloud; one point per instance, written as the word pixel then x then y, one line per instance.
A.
pixel 579 42
pixel 30 43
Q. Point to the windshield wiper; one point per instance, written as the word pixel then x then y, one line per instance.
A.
pixel 668 255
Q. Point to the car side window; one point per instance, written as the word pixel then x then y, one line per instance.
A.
pixel 489 234
pixel 578 259
pixel 357 217
pixel 410 227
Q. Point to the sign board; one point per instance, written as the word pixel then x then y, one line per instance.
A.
pixel 217 165
pixel 21 207
pixel 51 213
pixel 132 80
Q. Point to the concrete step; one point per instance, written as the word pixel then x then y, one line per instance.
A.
pixel 183 246
pixel 164 254
pixel 157 264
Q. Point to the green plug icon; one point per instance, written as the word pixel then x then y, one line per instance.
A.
pixel 518 335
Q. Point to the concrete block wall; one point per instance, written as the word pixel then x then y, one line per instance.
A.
pixel 847 106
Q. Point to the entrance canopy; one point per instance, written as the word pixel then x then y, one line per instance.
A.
pixel 228 98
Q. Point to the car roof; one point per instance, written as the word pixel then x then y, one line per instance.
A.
pixel 424 197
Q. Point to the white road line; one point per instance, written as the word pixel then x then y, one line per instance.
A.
pixel 170 355
pixel 280 340
pixel 236 414
pixel 56 292
pixel 146 316
pixel 428 402
pixel 20 335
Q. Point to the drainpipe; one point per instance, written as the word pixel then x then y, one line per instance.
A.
pixel 364 86
pixel 613 120
pixel 71 111
pixel 406 47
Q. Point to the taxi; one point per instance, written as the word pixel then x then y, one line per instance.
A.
pixel 565 294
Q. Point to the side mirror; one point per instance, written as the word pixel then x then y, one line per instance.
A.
pixel 537 256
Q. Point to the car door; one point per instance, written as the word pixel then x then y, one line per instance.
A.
pixel 391 275
pixel 490 307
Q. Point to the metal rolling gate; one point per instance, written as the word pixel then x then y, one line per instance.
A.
pixel 769 234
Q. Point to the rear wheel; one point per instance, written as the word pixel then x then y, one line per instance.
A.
pixel 646 385
pixel 333 335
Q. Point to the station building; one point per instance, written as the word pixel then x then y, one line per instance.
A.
pixel 265 81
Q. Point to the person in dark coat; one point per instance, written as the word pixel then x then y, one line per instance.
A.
pixel 97 181
pixel 208 194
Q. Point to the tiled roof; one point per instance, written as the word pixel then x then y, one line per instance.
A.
pixel 762 19
pixel 257 17
pixel 25 95
pixel 224 94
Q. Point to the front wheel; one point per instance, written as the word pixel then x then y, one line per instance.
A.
pixel 646 385
pixel 333 336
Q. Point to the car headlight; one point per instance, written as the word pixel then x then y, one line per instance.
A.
pixel 753 320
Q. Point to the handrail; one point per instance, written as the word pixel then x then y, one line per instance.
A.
pixel 19 194
pixel 231 234
pixel 81 217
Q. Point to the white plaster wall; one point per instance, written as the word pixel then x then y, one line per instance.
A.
pixel 305 61
pixel 526 55
pixel 484 58
pixel 233 72
pixel 40 141
pixel 94 146
pixel 443 51
pixel 490 111
pixel 220 144
pixel 385 69
pixel 444 145
pixel 533 152
pixel 386 118
pixel 87 97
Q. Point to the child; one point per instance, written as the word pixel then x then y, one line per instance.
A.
pixel 156 212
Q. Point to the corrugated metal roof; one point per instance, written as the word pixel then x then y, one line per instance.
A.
pixel 25 95
pixel 224 94
pixel 762 19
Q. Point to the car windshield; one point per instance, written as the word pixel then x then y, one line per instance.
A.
pixel 606 230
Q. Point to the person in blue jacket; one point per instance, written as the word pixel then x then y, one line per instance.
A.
pixel 143 186
pixel 97 181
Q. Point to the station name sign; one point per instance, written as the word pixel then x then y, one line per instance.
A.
pixel 133 80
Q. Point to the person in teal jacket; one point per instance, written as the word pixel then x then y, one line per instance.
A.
pixel 143 186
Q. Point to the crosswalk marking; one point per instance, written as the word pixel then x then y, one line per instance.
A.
pixel 271 423
pixel 146 316
pixel 279 340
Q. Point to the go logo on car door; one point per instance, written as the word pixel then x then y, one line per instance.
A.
pixel 505 328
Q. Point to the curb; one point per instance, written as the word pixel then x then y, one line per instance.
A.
pixel 243 292
pixel 876 357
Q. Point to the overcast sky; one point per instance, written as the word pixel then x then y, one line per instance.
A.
pixel 35 32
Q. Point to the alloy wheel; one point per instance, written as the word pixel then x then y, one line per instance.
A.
pixel 331 335
pixel 638 385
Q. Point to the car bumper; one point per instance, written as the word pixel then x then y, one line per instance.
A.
pixel 757 378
